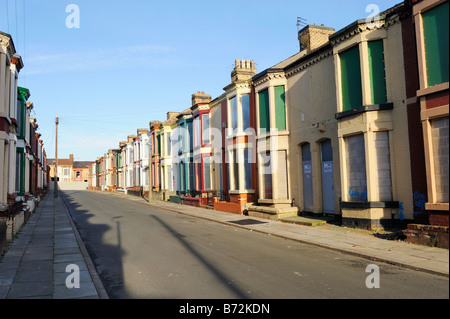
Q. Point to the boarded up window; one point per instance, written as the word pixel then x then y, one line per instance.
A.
pixel 383 162
pixel 436 39
pixel 264 115
pixel 282 175
pixel 440 142
pixel 377 72
pixel 280 108
pixel 351 79
pixel 356 168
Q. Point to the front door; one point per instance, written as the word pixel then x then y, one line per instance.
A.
pixel 307 178
pixel 327 177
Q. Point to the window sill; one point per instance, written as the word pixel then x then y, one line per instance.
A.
pixel 273 133
pixel 370 204
pixel 437 206
pixel 364 109
pixel 433 89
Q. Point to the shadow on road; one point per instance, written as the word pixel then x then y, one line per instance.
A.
pixel 219 275
pixel 111 255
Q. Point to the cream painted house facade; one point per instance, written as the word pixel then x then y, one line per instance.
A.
pixel 10 66
pixel 371 113
pixel 314 150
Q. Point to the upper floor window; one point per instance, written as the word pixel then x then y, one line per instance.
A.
pixel 436 41
pixel 146 149
pixel 169 144
pixel 377 72
pixel 277 111
pixel 264 114
pixel 158 141
pixel 351 79
pixel 205 125
pixel 280 108
pixel 20 121
pixel 197 131
pixel 245 111
pixel 351 76
pixel 234 115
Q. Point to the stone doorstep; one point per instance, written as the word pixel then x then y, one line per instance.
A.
pixel 272 213
pixel 304 221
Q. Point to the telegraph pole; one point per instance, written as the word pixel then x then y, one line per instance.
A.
pixel 56 160
pixel 150 182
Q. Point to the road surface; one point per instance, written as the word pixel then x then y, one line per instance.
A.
pixel 143 252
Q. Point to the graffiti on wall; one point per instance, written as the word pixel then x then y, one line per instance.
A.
pixel 419 202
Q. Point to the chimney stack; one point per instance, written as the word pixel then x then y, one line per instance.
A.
pixel 314 36
pixel 71 157
pixel 142 131
pixel 243 70
pixel 172 114
pixel 200 98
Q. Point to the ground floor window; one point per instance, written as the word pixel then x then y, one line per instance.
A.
pixel 145 176
pixel 356 168
pixel 207 173
pixel 440 155
pixel 282 175
pixel 248 168
pixel 383 169
pixel 20 188
pixel 267 175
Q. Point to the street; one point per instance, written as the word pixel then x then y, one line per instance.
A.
pixel 143 252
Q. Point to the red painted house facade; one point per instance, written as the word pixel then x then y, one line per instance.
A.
pixel 202 152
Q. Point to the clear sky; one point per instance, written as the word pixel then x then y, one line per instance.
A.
pixel 131 62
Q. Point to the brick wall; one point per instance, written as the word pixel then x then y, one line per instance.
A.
pixel 13 225
pixel 191 201
pixel 434 236
pixel 228 207
pixel 437 218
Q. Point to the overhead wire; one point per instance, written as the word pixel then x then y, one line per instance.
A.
pixel 7 16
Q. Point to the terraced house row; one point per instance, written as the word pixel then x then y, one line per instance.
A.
pixel 23 161
pixel 354 125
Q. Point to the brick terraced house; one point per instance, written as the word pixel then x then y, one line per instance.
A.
pixel 353 126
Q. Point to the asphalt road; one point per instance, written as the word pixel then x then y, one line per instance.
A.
pixel 143 252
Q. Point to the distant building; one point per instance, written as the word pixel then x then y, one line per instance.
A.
pixel 69 170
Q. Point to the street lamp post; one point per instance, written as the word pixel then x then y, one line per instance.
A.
pixel 56 160
pixel 150 182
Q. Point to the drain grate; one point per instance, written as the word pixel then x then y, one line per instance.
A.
pixel 246 222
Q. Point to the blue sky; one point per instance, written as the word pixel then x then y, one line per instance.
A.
pixel 131 62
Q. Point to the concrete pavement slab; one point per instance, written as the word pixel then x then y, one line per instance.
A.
pixel 30 289
pixel 35 264
pixel 28 276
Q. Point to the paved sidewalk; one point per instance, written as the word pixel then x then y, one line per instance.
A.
pixel 428 259
pixel 35 265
